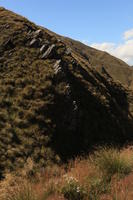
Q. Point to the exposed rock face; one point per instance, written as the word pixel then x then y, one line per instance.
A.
pixel 34 43
pixel 49 51
pixel 43 48
pixel 57 67
pixel 53 103
pixel 38 33
pixel 68 51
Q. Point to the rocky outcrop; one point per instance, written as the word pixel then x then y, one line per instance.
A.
pixel 34 43
pixel 49 51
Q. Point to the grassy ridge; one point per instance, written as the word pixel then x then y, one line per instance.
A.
pixel 53 103
pixel 118 69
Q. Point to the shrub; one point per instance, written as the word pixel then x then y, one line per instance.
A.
pixel 72 190
pixel 111 162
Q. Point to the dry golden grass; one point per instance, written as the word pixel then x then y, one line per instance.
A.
pixel 120 189
pixel 38 101
pixel 48 182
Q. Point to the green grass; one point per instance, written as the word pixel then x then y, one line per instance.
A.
pixel 110 162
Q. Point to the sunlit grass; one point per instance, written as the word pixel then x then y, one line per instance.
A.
pixel 105 175
pixel 111 161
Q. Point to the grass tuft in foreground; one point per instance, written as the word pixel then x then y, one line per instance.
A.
pixel 107 174
pixel 111 161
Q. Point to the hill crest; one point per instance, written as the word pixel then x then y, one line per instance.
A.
pixel 54 104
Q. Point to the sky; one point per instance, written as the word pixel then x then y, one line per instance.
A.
pixel 104 24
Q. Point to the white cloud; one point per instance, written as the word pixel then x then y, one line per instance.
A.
pixel 128 34
pixel 123 50
pixel 106 46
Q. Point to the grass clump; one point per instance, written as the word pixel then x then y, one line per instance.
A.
pixel 97 187
pixel 105 174
pixel 25 193
pixel 110 161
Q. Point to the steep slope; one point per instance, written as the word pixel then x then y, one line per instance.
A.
pixel 119 70
pixel 53 103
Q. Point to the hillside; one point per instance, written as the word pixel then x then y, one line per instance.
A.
pixel 53 103
pixel 119 70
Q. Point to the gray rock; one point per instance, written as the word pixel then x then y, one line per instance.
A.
pixel 5 26
pixel 43 48
pixel 29 32
pixel 68 86
pixel 68 51
pixel 34 43
pixel 68 90
pixel 38 33
pixel 57 67
pixel 59 40
pixel 75 107
pixel 58 72
pixel 57 64
pixel 48 51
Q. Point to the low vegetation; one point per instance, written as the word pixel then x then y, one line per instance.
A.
pixel 107 174
pixel 110 162
pixel 54 104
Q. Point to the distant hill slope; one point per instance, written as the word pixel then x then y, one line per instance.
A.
pixel 119 70
pixel 53 103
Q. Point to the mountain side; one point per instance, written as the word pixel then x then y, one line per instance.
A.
pixel 119 70
pixel 53 103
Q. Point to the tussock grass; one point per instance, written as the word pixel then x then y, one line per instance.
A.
pixel 104 175
pixel 111 161
pixel 25 192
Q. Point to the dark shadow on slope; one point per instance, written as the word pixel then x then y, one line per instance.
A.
pixel 96 122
